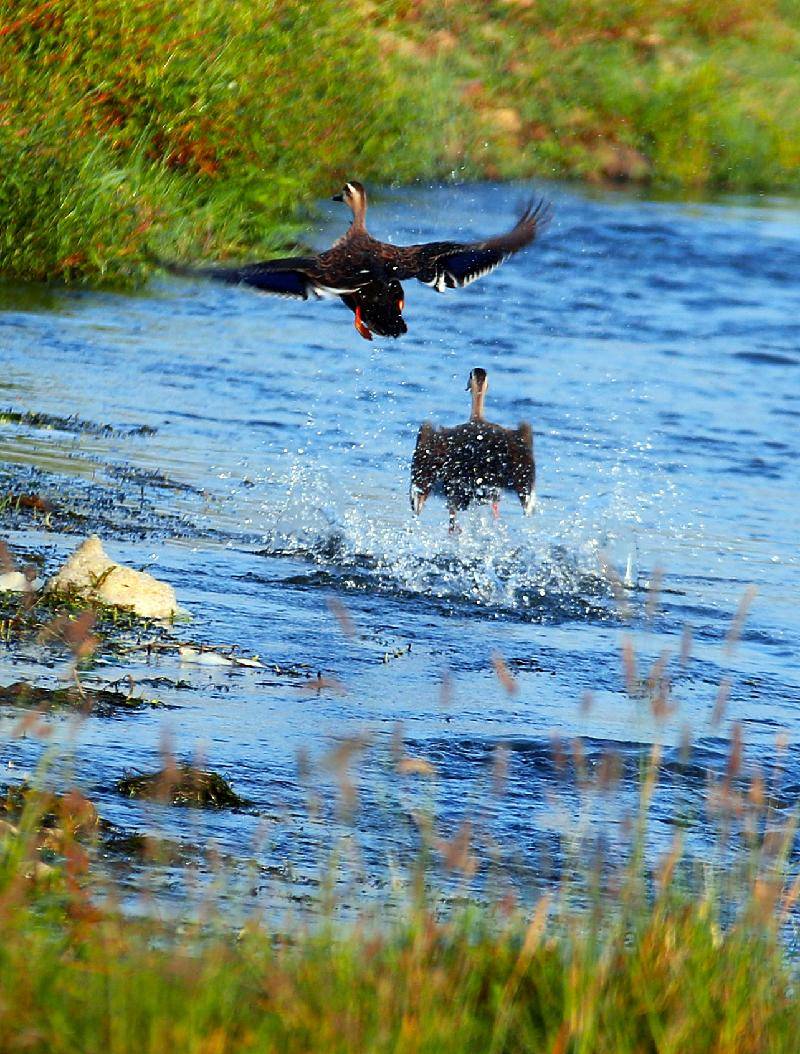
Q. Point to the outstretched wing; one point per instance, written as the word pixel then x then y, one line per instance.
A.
pixel 289 277
pixel 295 277
pixel 426 464
pixel 522 466
pixel 447 265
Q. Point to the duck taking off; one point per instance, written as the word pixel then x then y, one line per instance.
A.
pixel 366 273
pixel 475 461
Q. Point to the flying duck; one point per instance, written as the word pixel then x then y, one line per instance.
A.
pixel 366 273
pixel 473 461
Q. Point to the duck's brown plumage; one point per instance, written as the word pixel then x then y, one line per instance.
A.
pixel 474 461
pixel 366 273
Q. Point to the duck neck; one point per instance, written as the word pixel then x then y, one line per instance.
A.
pixel 478 397
pixel 359 207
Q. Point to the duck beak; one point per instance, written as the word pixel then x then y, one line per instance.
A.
pixel 338 197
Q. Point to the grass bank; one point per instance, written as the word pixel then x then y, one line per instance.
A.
pixel 681 94
pixel 197 129
pixel 193 128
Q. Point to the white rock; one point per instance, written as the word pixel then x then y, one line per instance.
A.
pixel 16 582
pixel 208 657
pixel 95 576
pixel 203 658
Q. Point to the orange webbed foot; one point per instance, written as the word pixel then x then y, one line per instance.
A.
pixel 361 326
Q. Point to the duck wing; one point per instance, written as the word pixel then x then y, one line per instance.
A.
pixel 448 265
pixel 522 466
pixel 295 277
pixel 430 455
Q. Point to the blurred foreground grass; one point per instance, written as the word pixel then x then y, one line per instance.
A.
pixel 640 961
pixel 680 943
pixel 204 128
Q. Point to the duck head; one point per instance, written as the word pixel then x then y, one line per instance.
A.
pixel 378 308
pixel 478 384
pixel 354 195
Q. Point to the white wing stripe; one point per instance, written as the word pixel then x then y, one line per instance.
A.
pixel 271 292
pixel 332 291
pixel 445 279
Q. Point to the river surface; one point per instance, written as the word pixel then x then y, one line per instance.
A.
pixel 654 348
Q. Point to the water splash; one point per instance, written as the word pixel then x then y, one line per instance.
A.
pixel 534 569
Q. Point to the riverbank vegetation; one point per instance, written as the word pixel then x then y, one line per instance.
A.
pixel 136 128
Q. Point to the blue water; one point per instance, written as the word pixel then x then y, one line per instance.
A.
pixel 652 345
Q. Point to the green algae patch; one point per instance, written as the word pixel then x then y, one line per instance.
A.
pixel 183 785
pixel 45 825
pixel 56 817
pixel 74 425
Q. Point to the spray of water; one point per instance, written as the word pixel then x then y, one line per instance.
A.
pixel 532 568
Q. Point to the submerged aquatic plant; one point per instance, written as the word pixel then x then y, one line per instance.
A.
pixel 99 701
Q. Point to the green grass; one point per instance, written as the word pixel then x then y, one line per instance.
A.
pixel 681 93
pixel 190 128
pixel 206 128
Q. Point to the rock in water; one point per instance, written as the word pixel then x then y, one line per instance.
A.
pixel 19 582
pixel 92 574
